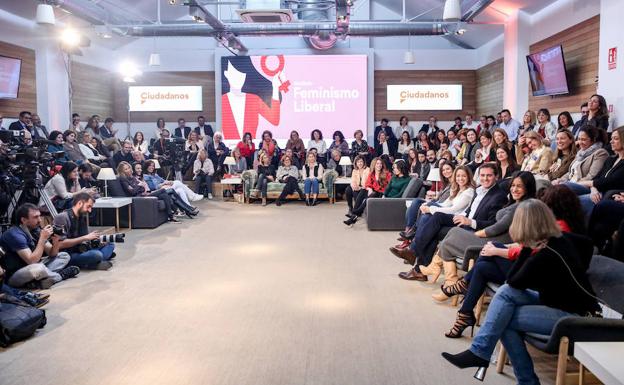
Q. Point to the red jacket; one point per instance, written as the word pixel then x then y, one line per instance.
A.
pixel 254 107
pixel 373 183
pixel 245 151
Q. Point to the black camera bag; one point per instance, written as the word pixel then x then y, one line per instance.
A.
pixel 18 320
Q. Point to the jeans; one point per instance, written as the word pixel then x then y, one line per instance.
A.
pixel 605 219
pixel 203 179
pixel 311 186
pixel 183 191
pixel 263 184
pixel 511 314
pixel 486 269
pixel 428 228
pixel 46 270
pixel 90 258
pixel 411 215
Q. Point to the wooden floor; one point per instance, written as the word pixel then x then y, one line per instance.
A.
pixel 246 295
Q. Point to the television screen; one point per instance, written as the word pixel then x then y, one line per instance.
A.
pixel 547 72
pixel 293 92
pixel 9 77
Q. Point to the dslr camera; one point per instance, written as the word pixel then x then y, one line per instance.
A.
pixel 106 238
pixel 59 230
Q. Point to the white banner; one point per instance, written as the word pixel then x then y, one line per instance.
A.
pixel 178 98
pixel 428 97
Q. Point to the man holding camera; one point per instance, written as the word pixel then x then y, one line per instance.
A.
pixel 32 254
pixel 84 247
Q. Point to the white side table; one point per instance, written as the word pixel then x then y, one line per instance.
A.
pixel 340 180
pixel 228 183
pixel 603 359
pixel 115 203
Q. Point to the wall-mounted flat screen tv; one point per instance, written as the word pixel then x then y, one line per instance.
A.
pixel 547 72
pixel 10 69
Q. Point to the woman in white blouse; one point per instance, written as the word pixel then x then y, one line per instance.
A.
pixel 545 127
pixel 405 144
pixel 139 143
pixel 317 142
pixel 462 191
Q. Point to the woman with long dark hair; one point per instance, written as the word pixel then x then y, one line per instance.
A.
pixel 62 187
pixel 598 115
pixel 589 158
pixel 247 149
pixel 376 184
pixel 565 121
pixel 316 141
pixel 566 152
pixel 339 144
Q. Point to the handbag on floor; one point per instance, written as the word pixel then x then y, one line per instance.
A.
pixel 18 320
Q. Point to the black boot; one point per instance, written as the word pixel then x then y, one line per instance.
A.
pixel 301 195
pixel 468 359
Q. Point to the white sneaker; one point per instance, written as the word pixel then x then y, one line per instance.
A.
pixel 196 197
pixel 209 196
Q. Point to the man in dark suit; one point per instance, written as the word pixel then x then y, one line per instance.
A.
pixel 487 200
pixel 24 122
pixel 38 129
pixel 202 128
pixel 430 129
pixel 385 128
pixel 182 131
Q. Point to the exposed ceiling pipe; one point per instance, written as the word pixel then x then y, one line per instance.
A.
pixel 321 39
pixel 224 36
pixel 90 12
pixel 359 28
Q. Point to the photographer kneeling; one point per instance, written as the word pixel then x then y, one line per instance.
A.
pixel 31 260
pixel 85 248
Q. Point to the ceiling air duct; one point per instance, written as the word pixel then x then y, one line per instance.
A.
pixel 265 11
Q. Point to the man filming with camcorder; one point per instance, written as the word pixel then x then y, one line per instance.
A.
pixel 88 250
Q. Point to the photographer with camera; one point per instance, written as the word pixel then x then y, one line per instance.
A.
pixel 32 254
pixel 85 248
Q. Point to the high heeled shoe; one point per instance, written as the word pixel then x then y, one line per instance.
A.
pixel 351 221
pixel 434 268
pixel 458 288
pixel 468 359
pixel 462 322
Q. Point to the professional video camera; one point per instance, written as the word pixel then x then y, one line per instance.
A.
pixel 106 238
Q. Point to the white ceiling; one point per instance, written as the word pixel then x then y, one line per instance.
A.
pixel 145 11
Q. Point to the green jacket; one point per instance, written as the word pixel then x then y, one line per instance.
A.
pixel 396 187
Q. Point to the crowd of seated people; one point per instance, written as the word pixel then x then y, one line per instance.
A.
pixel 538 186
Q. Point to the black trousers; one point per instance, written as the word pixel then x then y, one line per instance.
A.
pixel 486 269
pixel 292 185
pixel 353 196
pixel 163 196
pixel 360 201
pixel 606 218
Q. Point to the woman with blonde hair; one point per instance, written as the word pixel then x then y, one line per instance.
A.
pixel 528 122
pixel 312 173
pixel 539 159
pixel 359 176
pixel 532 301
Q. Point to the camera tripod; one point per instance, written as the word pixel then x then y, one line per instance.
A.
pixel 15 199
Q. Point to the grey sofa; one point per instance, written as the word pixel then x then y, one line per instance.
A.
pixel 147 212
pixel 389 213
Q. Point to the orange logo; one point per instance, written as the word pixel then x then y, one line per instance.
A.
pixel 405 95
pixel 145 96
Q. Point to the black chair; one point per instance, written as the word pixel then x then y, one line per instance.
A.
pixel 147 212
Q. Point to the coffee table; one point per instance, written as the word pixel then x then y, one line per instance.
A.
pixel 115 203
pixel 340 180
pixel 228 183
pixel 603 359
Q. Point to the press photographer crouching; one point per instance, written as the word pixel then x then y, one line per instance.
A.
pixel 87 250
pixel 32 258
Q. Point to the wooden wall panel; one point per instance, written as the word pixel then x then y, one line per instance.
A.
pixel 581 51
pixel 384 78
pixel 27 93
pixel 92 91
pixel 490 88
pixel 204 79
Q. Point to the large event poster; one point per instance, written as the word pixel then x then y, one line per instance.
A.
pixel 9 77
pixel 293 92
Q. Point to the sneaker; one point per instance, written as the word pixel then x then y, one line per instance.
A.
pixel 209 196
pixel 69 272
pixel 113 255
pixel 173 220
pixel 196 197
pixel 104 265
pixel 34 300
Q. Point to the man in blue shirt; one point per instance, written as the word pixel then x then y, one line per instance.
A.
pixel 31 260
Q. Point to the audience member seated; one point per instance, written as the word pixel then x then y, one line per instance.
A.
pixel 247 149
pixel 563 158
pixel 385 150
pixel 531 293
pixel 294 159
pixel 485 151
pixel 565 121
pixel 528 122
pixel 459 239
pixel 203 129
pixel 72 148
pixel 288 174
pixel 295 144
pixel 203 170
pixel 32 258
pixel 378 179
pixel 24 122
pixel 597 113
pixel 359 146
pixel 316 142
pixel 422 142
pixel 155 182
pixel 38 129
pixel 160 127
pixel 404 127
pixel 339 144
pixel 399 181
pixel 217 152
pixel 539 159
pixel 334 164
pixel 108 135
pixel 124 155
pixel 610 177
pixel 270 146
pixel 90 152
pixel 480 213
pixel 383 126
pixel 312 174
pixel 359 176
pixel 405 145
pixel 439 140
pixel 506 164
pixel 182 131
pixel 56 145
pixel 134 187
pixel 590 157
pixel 86 180
pixel 607 226
pixel 469 148
pixel 191 148
pixel 430 128
pixel 420 168
pixel 140 144
pixel 240 165
pixel 545 127
pixel 266 174
pixel 78 241
pixel 507 123
pixel 62 187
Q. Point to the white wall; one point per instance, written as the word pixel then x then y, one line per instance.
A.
pixel 611 81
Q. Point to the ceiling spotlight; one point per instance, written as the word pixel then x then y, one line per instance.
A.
pixel 45 14
pixel 70 37
pixel 409 58
pixel 129 71
pixel 452 11
pixel 173 2
pixel 460 31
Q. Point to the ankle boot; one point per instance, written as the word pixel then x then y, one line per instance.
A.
pixel 434 268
